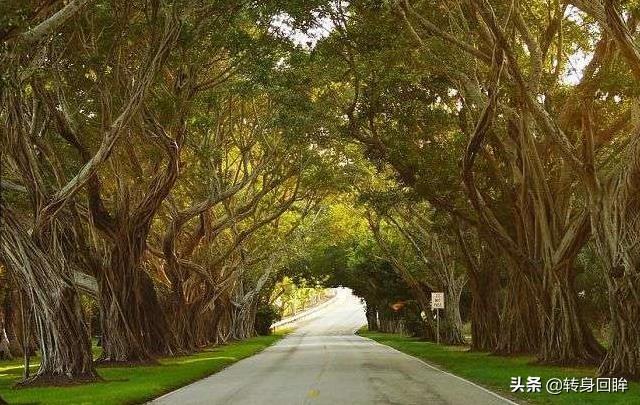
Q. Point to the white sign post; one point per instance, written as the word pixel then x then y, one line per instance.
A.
pixel 437 303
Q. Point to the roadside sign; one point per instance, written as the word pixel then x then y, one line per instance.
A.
pixel 437 300
pixel 437 303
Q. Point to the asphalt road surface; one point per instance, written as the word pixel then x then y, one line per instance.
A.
pixel 323 362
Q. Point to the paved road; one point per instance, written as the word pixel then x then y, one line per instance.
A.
pixel 323 362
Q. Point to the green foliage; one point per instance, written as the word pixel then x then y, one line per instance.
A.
pixel 266 315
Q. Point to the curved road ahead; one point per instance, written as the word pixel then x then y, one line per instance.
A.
pixel 323 362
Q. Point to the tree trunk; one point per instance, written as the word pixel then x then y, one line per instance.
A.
pixel 615 217
pixel 485 312
pixel 566 338
pixel 519 322
pixel 13 322
pixel 372 317
pixel 5 350
pixel 243 321
pixel 181 319
pixel 620 254
pixel 203 316
pixel 623 356
pixel 450 319
pixel 48 282
pixel 222 328
pixel 245 306
pixel 134 330
pixel 484 282
pixel 391 322
pixel 64 345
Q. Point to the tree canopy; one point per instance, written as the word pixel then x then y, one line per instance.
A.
pixel 167 164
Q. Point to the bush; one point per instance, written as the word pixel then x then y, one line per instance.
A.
pixel 414 325
pixel 266 315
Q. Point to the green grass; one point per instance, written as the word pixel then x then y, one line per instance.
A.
pixel 133 384
pixel 495 372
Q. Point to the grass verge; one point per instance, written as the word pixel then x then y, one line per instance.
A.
pixel 134 384
pixel 495 372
